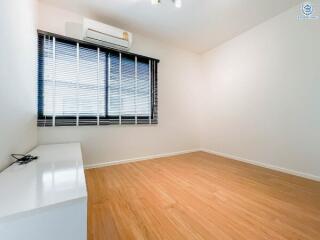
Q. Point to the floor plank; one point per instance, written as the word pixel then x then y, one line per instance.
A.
pixel 200 196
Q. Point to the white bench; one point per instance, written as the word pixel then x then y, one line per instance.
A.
pixel 45 199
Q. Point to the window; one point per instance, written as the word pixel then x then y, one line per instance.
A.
pixel 82 84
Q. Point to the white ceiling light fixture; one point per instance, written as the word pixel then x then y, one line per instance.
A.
pixel 177 3
pixel 155 2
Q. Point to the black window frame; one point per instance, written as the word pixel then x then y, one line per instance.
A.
pixel 47 121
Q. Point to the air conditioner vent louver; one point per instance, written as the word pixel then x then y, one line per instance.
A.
pixel 102 34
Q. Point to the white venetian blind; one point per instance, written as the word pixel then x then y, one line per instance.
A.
pixel 81 84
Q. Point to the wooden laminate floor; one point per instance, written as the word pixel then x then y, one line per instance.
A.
pixel 200 196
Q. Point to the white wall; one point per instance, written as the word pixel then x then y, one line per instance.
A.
pixel 18 132
pixel 263 95
pixel 256 98
pixel 178 105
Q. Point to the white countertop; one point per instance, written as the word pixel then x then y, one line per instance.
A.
pixel 56 177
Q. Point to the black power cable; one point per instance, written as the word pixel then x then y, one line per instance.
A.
pixel 22 159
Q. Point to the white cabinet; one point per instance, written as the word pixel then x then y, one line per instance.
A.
pixel 45 199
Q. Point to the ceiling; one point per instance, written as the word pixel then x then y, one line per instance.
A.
pixel 198 26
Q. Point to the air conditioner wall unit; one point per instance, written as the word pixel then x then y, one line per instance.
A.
pixel 105 35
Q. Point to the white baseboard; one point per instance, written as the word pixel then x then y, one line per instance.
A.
pixel 260 164
pixel 152 157
pixel 130 160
